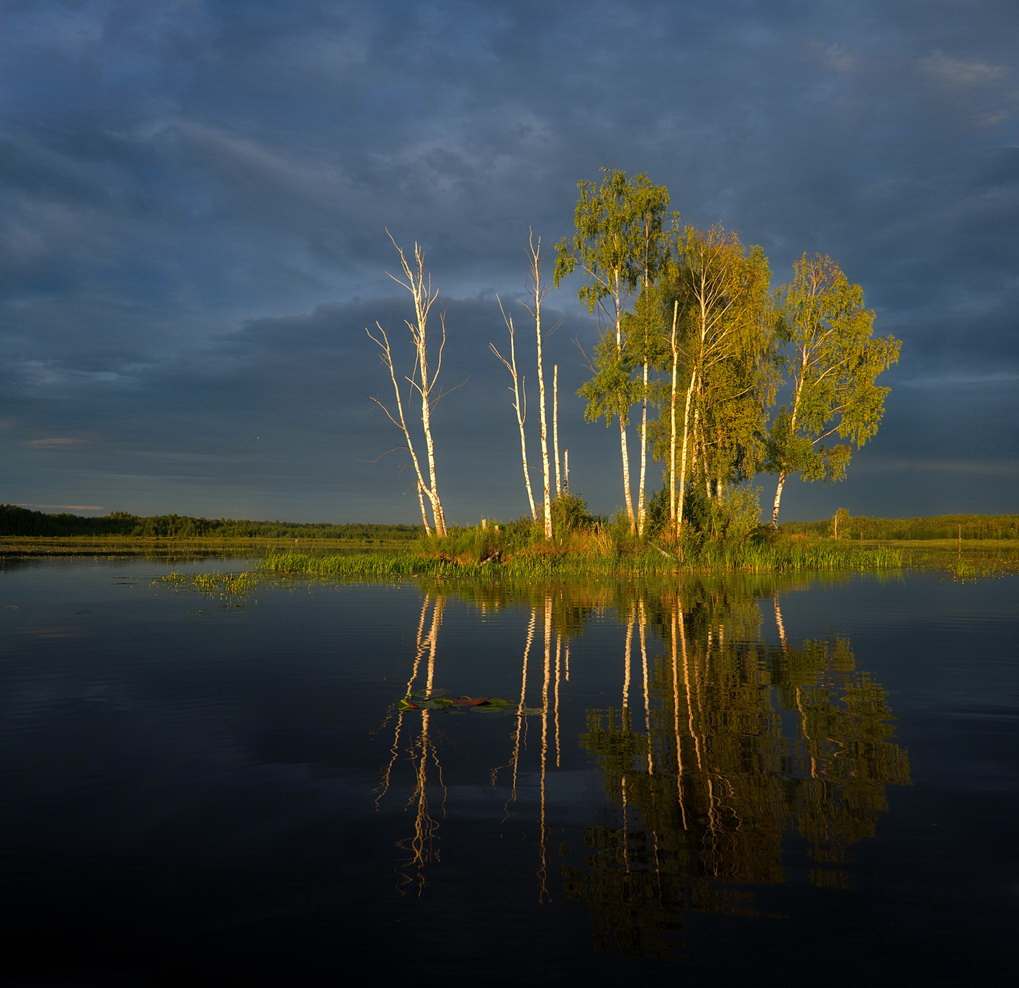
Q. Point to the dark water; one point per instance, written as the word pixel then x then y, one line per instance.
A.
pixel 708 783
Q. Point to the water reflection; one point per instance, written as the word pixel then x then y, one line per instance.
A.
pixel 422 752
pixel 723 759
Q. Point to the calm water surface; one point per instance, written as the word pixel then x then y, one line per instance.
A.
pixel 811 782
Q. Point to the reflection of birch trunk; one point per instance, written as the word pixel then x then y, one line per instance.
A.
pixel 688 689
pixel 783 641
pixel 423 752
pixel 797 692
pixel 627 652
pixel 521 728
pixel 555 694
pixel 623 795
pixel 543 893
pixel 646 687
pixel 421 648
pixel 805 732
pixel 678 646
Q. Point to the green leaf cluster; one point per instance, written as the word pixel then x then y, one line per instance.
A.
pixel 693 330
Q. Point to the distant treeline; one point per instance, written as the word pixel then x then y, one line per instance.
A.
pixel 21 521
pixel 935 527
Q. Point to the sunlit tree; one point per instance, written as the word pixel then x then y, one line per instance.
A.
pixel 834 360
pixel 422 380
pixel 620 245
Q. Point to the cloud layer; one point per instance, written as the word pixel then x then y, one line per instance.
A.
pixel 194 199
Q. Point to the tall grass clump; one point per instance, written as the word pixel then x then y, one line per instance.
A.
pixel 361 565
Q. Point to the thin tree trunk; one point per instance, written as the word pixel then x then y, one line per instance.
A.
pixel 426 427
pixel 625 456
pixel 672 421
pixel 685 453
pixel 623 449
pixel 422 379
pixel 538 293
pixel 555 428
pixel 519 405
pixel 782 477
pixel 400 421
pixel 641 512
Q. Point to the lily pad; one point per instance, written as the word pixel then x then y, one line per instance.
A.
pixel 437 701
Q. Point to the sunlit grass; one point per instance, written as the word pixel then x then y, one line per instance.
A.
pixel 580 557
pixel 220 585
pixel 177 549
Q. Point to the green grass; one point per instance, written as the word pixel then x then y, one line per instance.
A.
pixel 175 548
pixel 223 586
pixel 515 552
pixel 582 558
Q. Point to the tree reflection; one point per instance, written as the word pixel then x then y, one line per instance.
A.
pixel 722 756
pixel 714 776
pixel 422 752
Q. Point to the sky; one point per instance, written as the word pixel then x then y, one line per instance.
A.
pixel 195 197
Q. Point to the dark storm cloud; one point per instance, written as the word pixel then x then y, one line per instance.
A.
pixel 194 198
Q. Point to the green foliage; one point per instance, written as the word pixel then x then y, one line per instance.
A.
pixel 833 361
pixel 619 241
pixel 611 392
pixel 727 336
pixel 619 244
pixel 570 514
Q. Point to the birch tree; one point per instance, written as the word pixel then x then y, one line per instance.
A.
pixel 833 363
pixel 619 245
pixel 422 383
pixel 519 403
pixel 721 343
pixel 536 295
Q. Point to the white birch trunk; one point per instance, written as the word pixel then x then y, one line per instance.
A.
pixel 538 293
pixel 519 406
pixel 421 379
pixel 672 420
pixel 641 512
pixel 782 477
pixel 400 421
pixel 555 429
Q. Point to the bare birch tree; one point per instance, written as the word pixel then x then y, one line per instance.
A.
pixel 555 431
pixel 422 381
pixel 536 293
pixel 519 404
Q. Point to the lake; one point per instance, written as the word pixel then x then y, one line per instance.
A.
pixel 710 781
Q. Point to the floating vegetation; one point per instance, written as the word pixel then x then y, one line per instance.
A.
pixel 439 701
pixel 219 585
